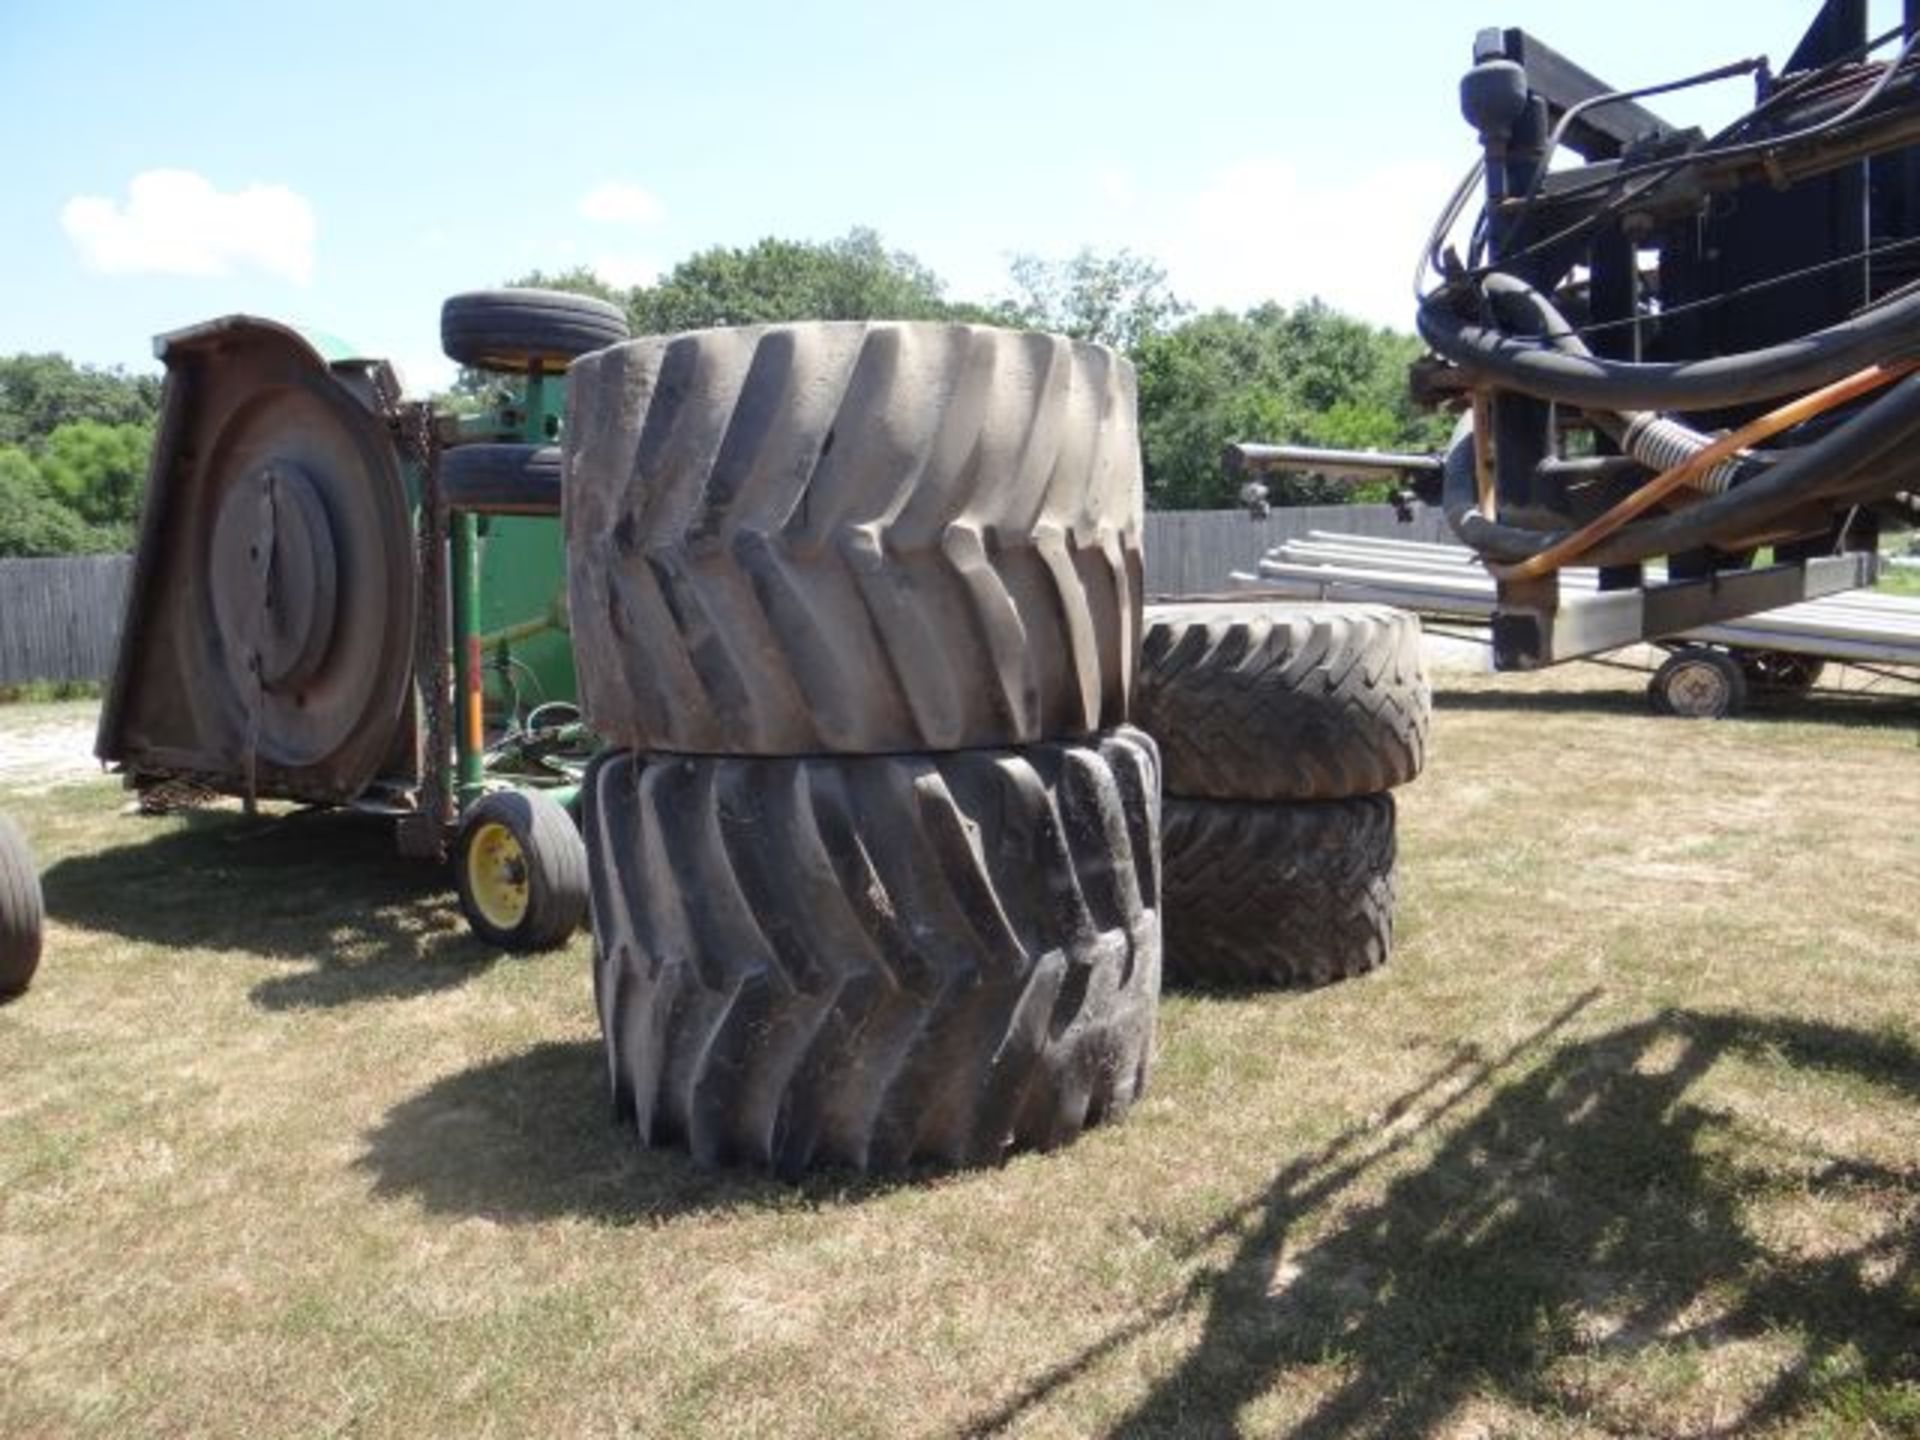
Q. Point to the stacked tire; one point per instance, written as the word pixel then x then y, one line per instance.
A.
pixel 874 856
pixel 1283 729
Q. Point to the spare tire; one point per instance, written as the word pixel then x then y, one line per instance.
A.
pixel 877 962
pixel 22 911
pixel 852 538
pixel 1252 700
pixel 1262 895
pixel 516 329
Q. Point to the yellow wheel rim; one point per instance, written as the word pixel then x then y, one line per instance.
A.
pixel 497 876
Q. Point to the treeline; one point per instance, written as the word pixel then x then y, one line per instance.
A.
pixel 74 439
pixel 73 454
pixel 1302 374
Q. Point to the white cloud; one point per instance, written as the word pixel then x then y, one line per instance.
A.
pixel 175 222
pixel 1260 230
pixel 1114 185
pixel 619 202
pixel 624 271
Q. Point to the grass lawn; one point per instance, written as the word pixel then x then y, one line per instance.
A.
pixel 1625 1141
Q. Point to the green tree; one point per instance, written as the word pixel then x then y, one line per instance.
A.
pixel 853 278
pixel 1303 375
pixel 32 522
pixel 1118 299
pixel 40 393
pixel 97 470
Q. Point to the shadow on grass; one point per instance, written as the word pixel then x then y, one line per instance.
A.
pixel 533 1138
pixel 1588 1214
pixel 322 888
pixel 1892 709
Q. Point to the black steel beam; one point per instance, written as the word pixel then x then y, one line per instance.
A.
pixel 1602 131
pixel 1531 631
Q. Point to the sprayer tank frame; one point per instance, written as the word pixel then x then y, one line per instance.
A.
pixel 1517 95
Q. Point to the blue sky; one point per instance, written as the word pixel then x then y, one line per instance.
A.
pixel 348 165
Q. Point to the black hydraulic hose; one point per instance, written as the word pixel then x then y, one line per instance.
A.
pixel 1831 464
pixel 1550 369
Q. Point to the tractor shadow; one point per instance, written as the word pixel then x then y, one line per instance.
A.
pixel 323 889
pixel 532 1138
pixel 1582 1212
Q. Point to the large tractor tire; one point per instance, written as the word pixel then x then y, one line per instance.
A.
pixel 853 539
pixel 1252 700
pixel 23 912
pixel 1278 895
pixel 514 330
pixel 877 962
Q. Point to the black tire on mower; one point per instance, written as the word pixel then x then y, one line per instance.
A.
pixel 502 479
pixel 512 330
pixel 1252 700
pixel 876 962
pixel 1278 894
pixel 853 538
pixel 23 913
pixel 548 855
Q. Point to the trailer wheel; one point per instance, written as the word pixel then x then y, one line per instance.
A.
pixel 22 911
pixel 502 479
pixel 1698 683
pixel 1780 672
pixel 514 330
pixel 521 868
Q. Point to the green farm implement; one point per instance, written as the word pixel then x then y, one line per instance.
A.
pixel 343 598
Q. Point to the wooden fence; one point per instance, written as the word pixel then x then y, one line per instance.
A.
pixel 1192 552
pixel 60 618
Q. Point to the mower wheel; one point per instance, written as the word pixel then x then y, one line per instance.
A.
pixel 515 330
pixel 521 868
pixel 22 911
pixel 1698 683
pixel 502 479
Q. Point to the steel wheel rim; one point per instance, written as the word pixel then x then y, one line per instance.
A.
pixel 497 876
pixel 1698 689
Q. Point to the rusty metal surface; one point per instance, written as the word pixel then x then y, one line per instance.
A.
pixel 268 645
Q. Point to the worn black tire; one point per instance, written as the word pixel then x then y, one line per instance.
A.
pixel 502 479
pixel 853 538
pixel 555 863
pixel 513 330
pixel 1252 700
pixel 1278 894
pixel 23 912
pixel 873 963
